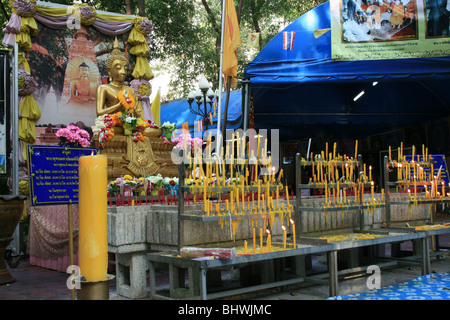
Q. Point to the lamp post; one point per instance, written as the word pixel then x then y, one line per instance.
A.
pixel 204 97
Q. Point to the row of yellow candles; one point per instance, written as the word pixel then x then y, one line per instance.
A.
pixel 328 164
pixel 401 158
pixel 339 194
pixel 263 203
pixel 269 239
pixel 328 174
pixel 419 176
pixel 434 190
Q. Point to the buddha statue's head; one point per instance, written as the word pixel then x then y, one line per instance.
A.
pixel 117 64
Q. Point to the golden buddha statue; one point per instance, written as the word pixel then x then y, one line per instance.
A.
pixel 107 94
pixel 125 155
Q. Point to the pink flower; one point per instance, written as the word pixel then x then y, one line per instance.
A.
pixel 73 136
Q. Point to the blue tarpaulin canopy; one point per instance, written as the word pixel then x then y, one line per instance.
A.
pixel 178 111
pixel 304 93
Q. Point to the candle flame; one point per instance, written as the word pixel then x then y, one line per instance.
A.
pixel 268 231
pixel 283 227
pixel 92 152
pixel 291 221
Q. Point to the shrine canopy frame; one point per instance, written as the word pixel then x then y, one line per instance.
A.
pixel 304 93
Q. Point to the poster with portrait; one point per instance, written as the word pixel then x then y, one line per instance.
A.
pixel 69 65
pixel 389 29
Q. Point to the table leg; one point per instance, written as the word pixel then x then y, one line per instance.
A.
pixel 152 278
pixel 333 272
pixel 203 290
pixel 425 256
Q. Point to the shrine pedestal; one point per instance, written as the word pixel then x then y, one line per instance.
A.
pixel 148 157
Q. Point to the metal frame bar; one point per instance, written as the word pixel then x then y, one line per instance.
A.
pixel 331 249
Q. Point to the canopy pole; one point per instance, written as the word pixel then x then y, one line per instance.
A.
pixel 219 112
pixel 15 121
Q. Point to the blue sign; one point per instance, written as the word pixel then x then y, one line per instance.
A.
pixel 53 172
pixel 439 163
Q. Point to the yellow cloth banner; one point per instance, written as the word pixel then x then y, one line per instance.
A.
pixel 232 40
pixel 156 108
pixel 142 69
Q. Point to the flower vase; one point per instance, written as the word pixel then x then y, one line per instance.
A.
pixel 127 129
pixel 11 210
pixel 168 135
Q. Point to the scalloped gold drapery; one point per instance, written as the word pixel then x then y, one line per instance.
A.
pixel 29 109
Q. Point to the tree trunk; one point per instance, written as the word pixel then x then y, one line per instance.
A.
pixel 128 7
pixel 141 7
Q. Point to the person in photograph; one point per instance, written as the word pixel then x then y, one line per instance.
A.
pixel 398 13
pixel 374 20
pixel 351 10
pixel 438 18
pixel 410 12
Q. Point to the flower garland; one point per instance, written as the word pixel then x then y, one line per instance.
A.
pixel 132 126
pixel 127 100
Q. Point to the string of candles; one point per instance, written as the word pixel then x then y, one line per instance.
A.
pixel 339 176
pixel 242 193
pixel 416 171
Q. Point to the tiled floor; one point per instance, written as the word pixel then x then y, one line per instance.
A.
pixel 35 283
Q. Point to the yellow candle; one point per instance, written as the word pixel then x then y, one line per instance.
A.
pixel 372 189
pixel 356 150
pixel 281 174
pixel 242 195
pixel 245 246
pixel 238 151
pixel 284 237
pixel 204 195
pixel 287 196
pixel 401 151
pixel 223 172
pixel 92 236
pixel 254 241
pixel 293 232
pixel 277 198
pixel 259 193
pixel 260 240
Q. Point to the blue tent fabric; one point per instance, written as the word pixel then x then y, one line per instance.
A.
pixel 304 93
pixel 178 112
pixel 428 287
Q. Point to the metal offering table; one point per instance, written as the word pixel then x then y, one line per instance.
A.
pixel 198 268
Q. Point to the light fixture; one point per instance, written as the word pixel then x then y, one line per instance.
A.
pixel 204 97
pixel 358 96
